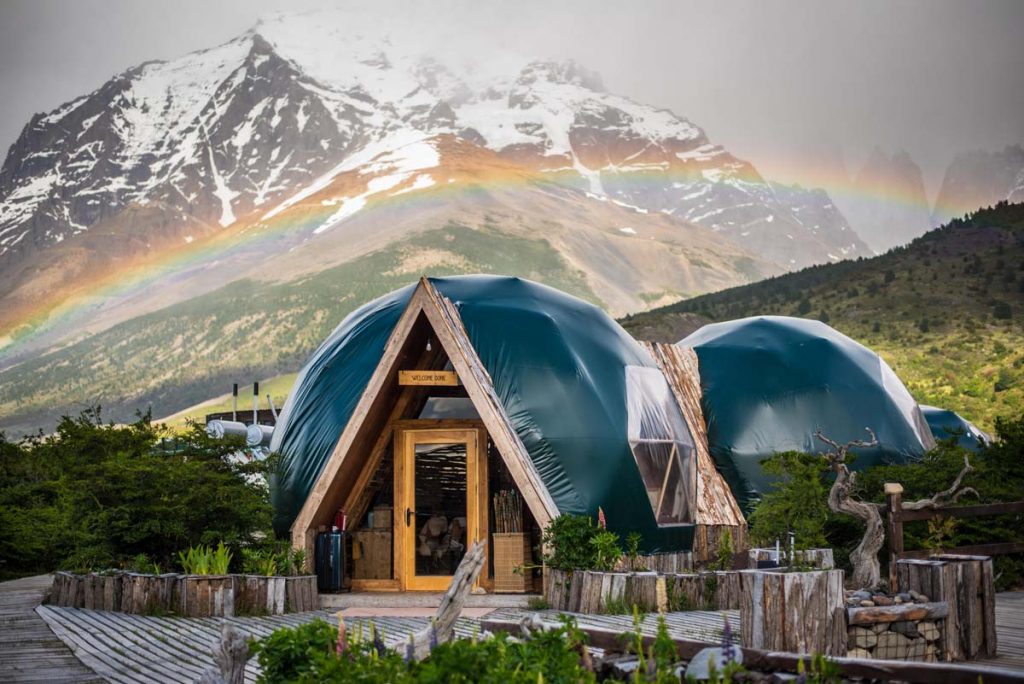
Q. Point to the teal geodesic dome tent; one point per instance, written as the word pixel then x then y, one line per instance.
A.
pixel 770 382
pixel 946 424
pixel 562 370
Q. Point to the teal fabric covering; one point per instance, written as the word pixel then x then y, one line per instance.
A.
pixel 558 367
pixel 769 382
pixel 946 424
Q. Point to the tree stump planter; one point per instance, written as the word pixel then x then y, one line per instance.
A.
pixel 814 558
pixel 967 584
pixel 207 596
pixel 799 612
pixel 588 591
pixel 259 595
pixel 300 594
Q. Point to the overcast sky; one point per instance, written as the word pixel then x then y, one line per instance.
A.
pixel 778 83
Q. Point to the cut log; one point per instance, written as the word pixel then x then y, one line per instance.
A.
pixel 966 584
pixel 799 612
pixel 906 611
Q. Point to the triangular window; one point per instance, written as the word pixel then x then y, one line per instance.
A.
pixel 662 445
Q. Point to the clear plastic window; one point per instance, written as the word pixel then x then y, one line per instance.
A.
pixel 662 445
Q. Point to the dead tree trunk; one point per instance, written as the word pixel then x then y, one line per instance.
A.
pixel 442 627
pixel 867 573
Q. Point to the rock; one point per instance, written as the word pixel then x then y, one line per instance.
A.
pixel 879 627
pixel 929 630
pixel 858 653
pixel 619 666
pixel 897 600
pixel 861 595
pixel 931 654
pixel 700 666
pixel 919 598
pixel 862 637
pixel 881 600
pixel 906 627
pixel 866 603
pixel 892 646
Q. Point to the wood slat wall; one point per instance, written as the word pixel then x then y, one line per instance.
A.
pixel 717 509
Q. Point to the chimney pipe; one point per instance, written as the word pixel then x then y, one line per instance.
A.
pixel 234 402
pixel 255 402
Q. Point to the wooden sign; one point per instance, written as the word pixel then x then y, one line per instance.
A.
pixel 428 377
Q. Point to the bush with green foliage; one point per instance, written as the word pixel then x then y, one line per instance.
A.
pixel 574 542
pixel 95 495
pixel 799 499
pixel 309 653
pixel 797 502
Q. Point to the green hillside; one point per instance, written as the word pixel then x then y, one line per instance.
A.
pixel 946 312
pixel 187 353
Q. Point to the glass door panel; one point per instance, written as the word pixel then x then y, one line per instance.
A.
pixel 439 498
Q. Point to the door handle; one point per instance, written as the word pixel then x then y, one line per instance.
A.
pixel 408 515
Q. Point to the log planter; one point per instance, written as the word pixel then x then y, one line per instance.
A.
pixel 814 558
pixel 187 595
pixel 587 591
pixel 799 612
pixel 967 584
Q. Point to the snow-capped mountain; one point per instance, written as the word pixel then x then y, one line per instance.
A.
pixel 178 152
pixel 888 205
pixel 979 179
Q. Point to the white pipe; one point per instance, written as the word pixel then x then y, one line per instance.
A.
pixel 258 435
pixel 219 429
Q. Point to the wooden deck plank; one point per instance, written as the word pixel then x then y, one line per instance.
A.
pixel 29 649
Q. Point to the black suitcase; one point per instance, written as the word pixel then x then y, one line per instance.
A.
pixel 330 561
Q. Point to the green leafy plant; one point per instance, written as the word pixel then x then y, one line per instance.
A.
pixel 797 501
pixel 606 551
pixel 537 603
pixel 634 561
pixel 724 552
pixel 940 533
pixel 573 542
pixel 220 560
pixel 196 560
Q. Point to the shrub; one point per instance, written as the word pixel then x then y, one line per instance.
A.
pixel 95 496
pixel 797 501
pixel 308 653
pixel 573 542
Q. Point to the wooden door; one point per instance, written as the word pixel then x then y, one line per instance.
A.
pixel 440 502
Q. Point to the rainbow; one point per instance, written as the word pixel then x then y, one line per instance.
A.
pixel 467 170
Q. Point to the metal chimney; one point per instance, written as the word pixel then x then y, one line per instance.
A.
pixel 255 403
pixel 234 402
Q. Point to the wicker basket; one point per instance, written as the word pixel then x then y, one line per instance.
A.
pixel 511 551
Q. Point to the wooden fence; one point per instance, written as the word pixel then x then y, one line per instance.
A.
pixel 898 515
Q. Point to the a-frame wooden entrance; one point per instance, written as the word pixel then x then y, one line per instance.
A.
pixel 429 330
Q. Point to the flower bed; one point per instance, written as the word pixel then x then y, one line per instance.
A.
pixel 187 595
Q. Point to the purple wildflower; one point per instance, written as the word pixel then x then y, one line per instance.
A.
pixel 728 643
pixel 409 650
pixel 378 642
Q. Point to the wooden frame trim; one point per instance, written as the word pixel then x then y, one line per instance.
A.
pixel 473 434
pixel 447 325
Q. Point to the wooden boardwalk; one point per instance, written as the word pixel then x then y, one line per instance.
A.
pixel 1009 630
pixel 135 649
pixel 29 651
pixel 118 647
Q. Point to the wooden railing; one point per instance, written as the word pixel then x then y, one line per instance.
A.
pixel 897 516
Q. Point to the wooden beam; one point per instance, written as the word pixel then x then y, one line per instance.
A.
pixel 303 528
pixel 451 333
pixel 975 511
pixel 998 549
